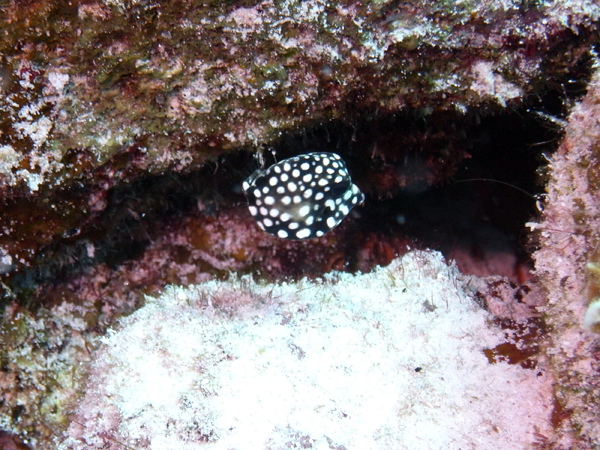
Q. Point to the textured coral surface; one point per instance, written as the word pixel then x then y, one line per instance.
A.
pixel 369 361
pixel 127 127
pixel 569 239
pixel 97 94
pixel 185 77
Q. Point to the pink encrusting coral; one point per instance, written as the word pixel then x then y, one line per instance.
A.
pixel 568 237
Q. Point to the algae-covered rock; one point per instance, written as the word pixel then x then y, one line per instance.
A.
pixel 98 94
pixel 393 359
pixel 42 362
pixel 185 80
pixel 103 100
pixel 567 265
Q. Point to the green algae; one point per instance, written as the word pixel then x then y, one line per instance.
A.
pixel 37 371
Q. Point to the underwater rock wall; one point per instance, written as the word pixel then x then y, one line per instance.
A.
pixel 97 94
pixel 394 359
pixel 566 263
pixel 98 98
pixel 184 81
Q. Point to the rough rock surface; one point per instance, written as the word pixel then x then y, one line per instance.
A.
pixel 177 79
pixel 97 94
pixel 101 101
pixel 393 359
pixel 569 241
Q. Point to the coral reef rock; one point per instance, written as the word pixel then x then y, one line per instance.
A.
pixel 99 93
pixel 393 359
pixel 569 243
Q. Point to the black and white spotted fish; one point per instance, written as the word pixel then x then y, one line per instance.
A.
pixel 302 197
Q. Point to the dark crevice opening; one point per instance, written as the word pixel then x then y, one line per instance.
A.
pixel 461 184
pixel 441 204
pixel 448 181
